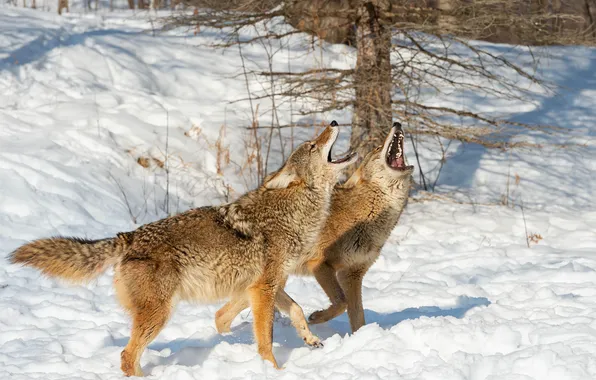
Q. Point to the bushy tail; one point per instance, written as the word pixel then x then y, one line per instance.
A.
pixel 72 259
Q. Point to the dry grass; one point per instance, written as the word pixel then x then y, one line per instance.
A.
pixel 150 161
pixel 160 164
pixel 194 132
pixel 534 238
pixel 144 162
pixel 222 151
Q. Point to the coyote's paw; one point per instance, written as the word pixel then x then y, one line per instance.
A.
pixel 222 328
pixel 128 366
pixel 222 323
pixel 313 341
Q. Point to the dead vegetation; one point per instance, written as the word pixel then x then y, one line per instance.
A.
pixel 534 238
pixel 407 53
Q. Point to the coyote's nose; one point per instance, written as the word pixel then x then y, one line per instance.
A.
pixel 329 134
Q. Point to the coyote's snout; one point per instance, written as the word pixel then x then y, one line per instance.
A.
pixel 363 213
pixel 210 253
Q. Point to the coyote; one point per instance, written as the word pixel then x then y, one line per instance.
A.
pixel 209 253
pixel 363 213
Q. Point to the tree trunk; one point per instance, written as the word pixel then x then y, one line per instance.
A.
pixel 131 4
pixel 591 13
pixel 372 116
pixel 446 21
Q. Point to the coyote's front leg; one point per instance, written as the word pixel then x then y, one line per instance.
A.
pixel 262 300
pixel 286 304
pixel 351 282
pixel 225 316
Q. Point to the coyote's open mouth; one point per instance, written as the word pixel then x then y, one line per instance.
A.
pixel 350 156
pixel 341 160
pixel 395 153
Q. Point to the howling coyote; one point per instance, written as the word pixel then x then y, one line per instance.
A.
pixel 210 253
pixel 363 213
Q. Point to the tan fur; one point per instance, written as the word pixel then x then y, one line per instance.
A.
pixel 206 254
pixel 363 213
pixel 225 315
pixel 73 259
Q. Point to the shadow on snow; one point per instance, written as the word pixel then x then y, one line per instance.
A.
pixel 193 352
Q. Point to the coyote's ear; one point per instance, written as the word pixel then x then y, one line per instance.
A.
pixel 282 179
pixel 354 179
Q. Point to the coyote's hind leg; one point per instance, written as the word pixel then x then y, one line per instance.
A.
pixel 149 294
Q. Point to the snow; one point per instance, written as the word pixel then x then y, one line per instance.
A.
pixel 456 293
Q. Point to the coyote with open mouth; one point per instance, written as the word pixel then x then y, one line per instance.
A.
pixel 242 249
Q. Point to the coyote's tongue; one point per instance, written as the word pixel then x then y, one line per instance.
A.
pixel 397 162
pixel 395 156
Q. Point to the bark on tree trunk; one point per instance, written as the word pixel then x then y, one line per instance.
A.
pixel 591 12
pixel 131 4
pixel 445 20
pixel 372 112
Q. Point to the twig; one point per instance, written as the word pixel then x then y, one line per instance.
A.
pixel 167 164
pixel 525 225
pixel 96 115
pixel 418 160
pixel 255 123
pixel 442 161
pixel 126 202
pixel 508 180
pixel 274 116
pixel 291 105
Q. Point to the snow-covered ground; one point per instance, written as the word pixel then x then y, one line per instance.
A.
pixel 456 294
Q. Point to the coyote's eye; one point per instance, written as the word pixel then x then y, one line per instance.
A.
pixel 313 146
